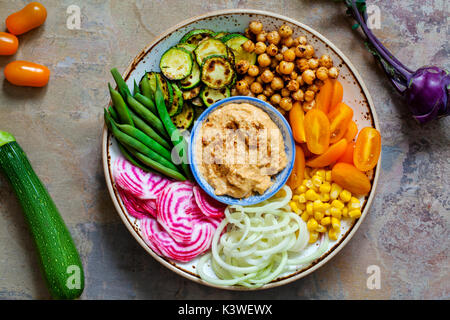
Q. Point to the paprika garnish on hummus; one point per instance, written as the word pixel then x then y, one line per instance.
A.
pixel 241 148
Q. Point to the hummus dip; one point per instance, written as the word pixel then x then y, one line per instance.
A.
pixel 241 148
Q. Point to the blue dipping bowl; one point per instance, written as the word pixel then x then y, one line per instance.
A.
pixel 278 179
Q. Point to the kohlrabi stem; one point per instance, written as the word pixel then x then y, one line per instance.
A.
pixel 398 67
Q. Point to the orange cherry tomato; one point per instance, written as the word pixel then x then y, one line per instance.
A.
pixel 347 156
pixel 8 44
pixel 350 178
pixel 351 132
pixel 329 95
pixel 334 152
pixel 297 175
pixel 296 119
pixel 340 118
pixel 367 149
pixel 29 74
pixel 317 131
pixel 30 17
pixel 306 151
pixel 338 95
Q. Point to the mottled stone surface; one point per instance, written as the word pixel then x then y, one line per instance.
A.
pixel 406 232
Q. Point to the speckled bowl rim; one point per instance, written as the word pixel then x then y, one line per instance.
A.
pixel 253 199
pixel 331 252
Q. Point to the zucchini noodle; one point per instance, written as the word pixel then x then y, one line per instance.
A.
pixel 254 245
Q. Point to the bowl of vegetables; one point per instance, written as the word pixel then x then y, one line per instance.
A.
pixel 154 106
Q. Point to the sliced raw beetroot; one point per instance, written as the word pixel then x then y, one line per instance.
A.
pixel 163 244
pixel 138 208
pixel 141 184
pixel 209 206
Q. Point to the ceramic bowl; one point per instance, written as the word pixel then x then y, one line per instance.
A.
pixel 355 94
pixel 278 180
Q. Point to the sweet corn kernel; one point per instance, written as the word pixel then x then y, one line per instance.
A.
pixel 325 187
pixel 305 181
pixel 335 223
pixel 317 181
pixel 311 195
pixel 301 189
pixel 313 172
pixel 318 205
pixel 320 228
pixel 294 207
pixel 313 236
pixel 355 213
pixel 335 212
pixel 295 198
pixel 325 221
pixel 354 203
pixel 324 197
pixel 337 204
pixel 345 212
pixel 328 175
pixel 301 198
pixel 309 208
pixel 305 216
pixel 335 191
pixel 321 173
pixel 301 206
pixel 312 224
pixel 318 215
pixel 332 234
pixel 326 206
pixel 345 195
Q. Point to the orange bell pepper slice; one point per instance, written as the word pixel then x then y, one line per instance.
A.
pixel 367 149
pixel 297 175
pixel 339 118
pixel 317 131
pixel 350 178
pixel 333 153
pixel 296 120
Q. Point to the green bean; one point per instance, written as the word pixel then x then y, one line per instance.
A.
pixel 120 106
pixel 180 144
pixel 145 87
pixel 136 89
pixel 131 159
pixel 137 145
pixel 143 138
pixel 147 116
pixel 144 127
pixel 113 113
pixel 121 85
pixel 146 102
pixel 166 171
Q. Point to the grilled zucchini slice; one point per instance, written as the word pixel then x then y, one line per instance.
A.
pixel 235 41
pixel 192 80
pixel 185 119
pixel 176 63
pixel 210 96
pixel 198 102
pixel 178 101
pixel 210 47
pixel 196 35
pixel 217 71
pixel 220 34
pixel 192 93
pixel 166 87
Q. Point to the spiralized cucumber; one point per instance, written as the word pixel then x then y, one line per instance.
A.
pixel 254 245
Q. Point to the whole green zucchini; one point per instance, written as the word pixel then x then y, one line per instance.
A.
pixel 61 264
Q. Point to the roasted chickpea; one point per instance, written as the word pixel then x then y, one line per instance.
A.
pixel 242 66
pixel 242 87
pixel 260 47
pixel 259 80
pixel 313 63
pixel 268 91
pixel 267 76
pixel 277 83
pixel 286 67
pixel 234 91
pixel 302 64
pixel 285 31
pixel 273 37
pixel 285 92
pixel 282 111
pixel 300 50
pixel 255 27
pixel 248 34
pixel 301 40
pixel 293 75
pixel 253 71
pixel 256 88
pixel 249 79
pixel 289 55
pixel 308 76
pixel 264 60
pixel 248 46
pixel 298 95
pixel 322 73
pixel 288 42
pixel 293 85
pixel 261 37
pixel 286 77
pixel 283 49
pixel 286 103
pixel 279 57
pixel 325 61
pixel 275 99
pixel 262 97
pixel 309 95
pixel 308 105
pixel 300 80
pixel 309 51
pixel 313 87
pixel 272 50
pixel 333 72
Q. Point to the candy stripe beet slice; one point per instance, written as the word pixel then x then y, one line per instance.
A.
pixel 210 207
pixel 141 184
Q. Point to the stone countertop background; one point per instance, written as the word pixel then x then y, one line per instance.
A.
pixel 406 232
